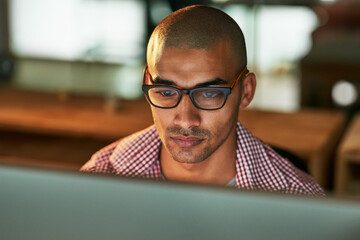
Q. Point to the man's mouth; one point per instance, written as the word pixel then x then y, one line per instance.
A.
pixel 187 141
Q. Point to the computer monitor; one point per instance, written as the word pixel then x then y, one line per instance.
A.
pixel 43 204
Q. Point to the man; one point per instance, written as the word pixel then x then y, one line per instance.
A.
pixel 196 81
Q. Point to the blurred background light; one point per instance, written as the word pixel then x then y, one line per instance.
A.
pixel 112 31
pixel 344 93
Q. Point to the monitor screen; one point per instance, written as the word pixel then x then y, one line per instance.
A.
pixel 42 204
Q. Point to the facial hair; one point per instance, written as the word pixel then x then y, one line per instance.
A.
pixel 189 155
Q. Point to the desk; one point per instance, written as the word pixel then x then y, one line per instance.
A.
pixel 310 134
pixel 348 160
pixel 82 121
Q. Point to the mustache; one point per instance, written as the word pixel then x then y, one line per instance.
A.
pixel 194 131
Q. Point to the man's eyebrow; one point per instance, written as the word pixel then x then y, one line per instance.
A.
pixel 216 81
pixel 161 81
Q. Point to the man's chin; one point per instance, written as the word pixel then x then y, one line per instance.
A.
pixel 187 160
pixel 186 156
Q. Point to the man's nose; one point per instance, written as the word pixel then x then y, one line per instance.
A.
pixel 187 115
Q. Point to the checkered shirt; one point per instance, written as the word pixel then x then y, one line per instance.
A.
pixel 258 167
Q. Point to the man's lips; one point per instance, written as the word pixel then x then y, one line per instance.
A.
pixel 186 142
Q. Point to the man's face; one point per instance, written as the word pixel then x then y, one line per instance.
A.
pixel 189 134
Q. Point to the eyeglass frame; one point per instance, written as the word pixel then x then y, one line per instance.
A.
pixel 189 92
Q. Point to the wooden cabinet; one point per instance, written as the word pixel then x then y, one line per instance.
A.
pixel 348 160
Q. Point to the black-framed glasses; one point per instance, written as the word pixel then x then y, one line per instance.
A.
pixel 205 98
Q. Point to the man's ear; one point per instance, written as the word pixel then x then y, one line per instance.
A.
pixel 248 90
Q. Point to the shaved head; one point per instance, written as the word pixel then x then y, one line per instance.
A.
pixel 197 27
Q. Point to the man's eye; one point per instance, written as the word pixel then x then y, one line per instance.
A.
pixel 210 93
pixel 166 93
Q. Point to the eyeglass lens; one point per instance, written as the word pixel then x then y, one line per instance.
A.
pixel 203 98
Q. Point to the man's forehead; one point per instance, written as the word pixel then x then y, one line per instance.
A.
pixel 186 58
pixel 165 57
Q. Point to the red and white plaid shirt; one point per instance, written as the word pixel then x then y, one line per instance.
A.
pixel 258 167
